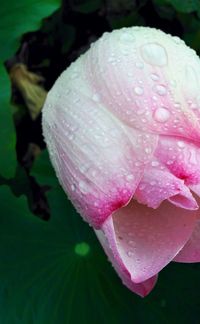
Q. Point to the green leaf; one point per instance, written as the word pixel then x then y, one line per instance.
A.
pixel 8 161
pixel 164 9
pixel 16 18
pixel 43 171
pixel 185 6
pixel 19 17
pixel 56 272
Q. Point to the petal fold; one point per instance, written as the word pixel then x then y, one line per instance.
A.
pixel 181 157
pixel 158 184
pixel 140 241
pixel 142 289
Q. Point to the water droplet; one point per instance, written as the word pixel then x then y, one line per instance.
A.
pixel 161 115
pixel 169 162
pixel 160 89
pixel 130 74
pixel 155 163
pixel 138 91
pixel 96 97
pixel 129 177
pixel 130 254
pixel 126 37
pixel 76 100
pixel 73 187
pixel 173 83
pixel 177 105
pixel 118 93
pixel 71 137
pixel 193 105
pixel 154 77
pixel 67 91
pixel 147 150
pixel 111 59
pixel 177 40
pixel 137 164
pixel 192 80
pixel 193 158
pixel 83 187
pixel 74 75
pixel 125 52
pixel 154 54
pixel 142 186
pixel 181 144
pixel 140 112
pixel 139 65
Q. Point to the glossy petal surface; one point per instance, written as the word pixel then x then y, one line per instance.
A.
pixel 135 71
pixel 191 251
pixel 98 160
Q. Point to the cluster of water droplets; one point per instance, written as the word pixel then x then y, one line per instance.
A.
pixel 155 97
pixel 150 101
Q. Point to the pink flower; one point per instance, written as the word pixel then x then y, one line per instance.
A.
pixel 122 125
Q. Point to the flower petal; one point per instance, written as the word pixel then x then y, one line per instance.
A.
pixel 158 184
pixel 191 251
pixel 181 157
pixel 140 241
pixel 98 160
pixel 135 71
pixel 143 288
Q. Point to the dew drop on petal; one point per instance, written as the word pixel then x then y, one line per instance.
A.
pixel 138 91
pixel 154 54
pixel 180 144
pixel 154 77
pixel 155 163
pixel 96 97
pixel 193 105
pixel 130 254
pixel 126 37
pixel 142 186
pixel 129 177
pixel 147 150
pixel 83 187
pixel 160 89
pixel 139 65
pixel 161 115
pixel 73 187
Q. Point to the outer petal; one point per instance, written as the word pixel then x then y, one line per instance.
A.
pixel 98 161
pixel 149 79
pixel 191 251
pixel 143 288
pixel 158 184
pixel 140 241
